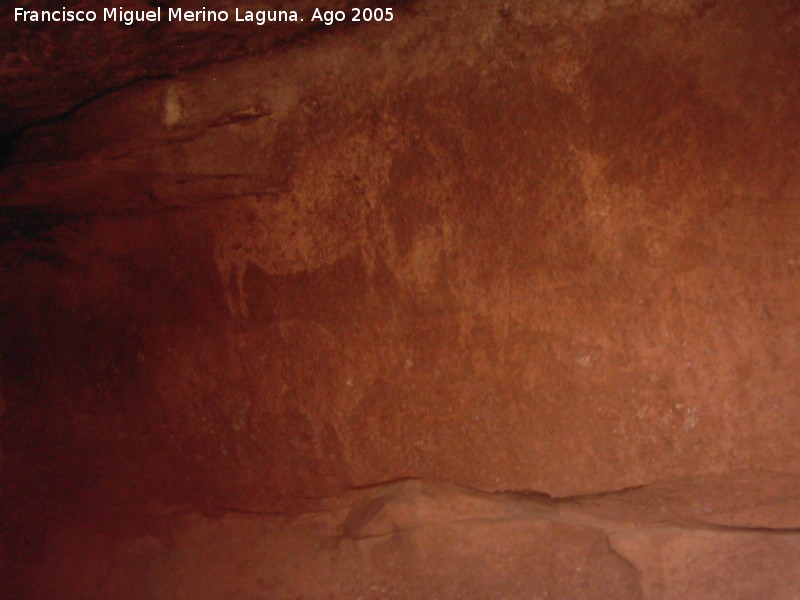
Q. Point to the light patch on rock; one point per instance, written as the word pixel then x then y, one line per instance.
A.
pixel 323 218
pixel 173 110
pixel 418 270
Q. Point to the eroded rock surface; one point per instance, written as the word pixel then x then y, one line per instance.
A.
pixel 416 539
pixel 540 246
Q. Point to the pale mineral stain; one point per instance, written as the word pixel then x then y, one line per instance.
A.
pixel 173 111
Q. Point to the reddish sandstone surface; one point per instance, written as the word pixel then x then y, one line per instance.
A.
pixel 522 248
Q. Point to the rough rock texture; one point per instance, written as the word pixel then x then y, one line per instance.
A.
pixel 537 246
pixel 44 71
pixel 421 540
pixel 402 541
